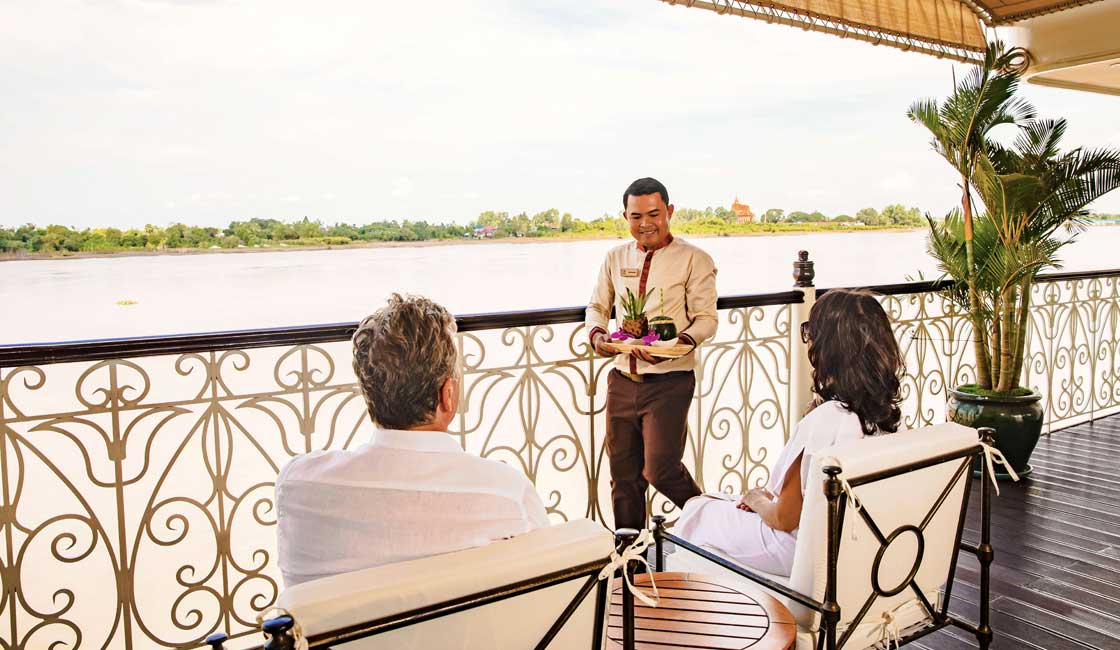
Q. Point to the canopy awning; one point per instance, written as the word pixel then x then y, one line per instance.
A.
pixel 946 28
pixel 1000 12
pixel 1068 44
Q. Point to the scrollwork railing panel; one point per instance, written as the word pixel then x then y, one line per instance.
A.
pixel 740 411
pixel 936 342
pixel 532 397
pixel 1072 355
pixel 136 506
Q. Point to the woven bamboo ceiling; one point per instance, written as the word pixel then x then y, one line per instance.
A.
pixel 947 28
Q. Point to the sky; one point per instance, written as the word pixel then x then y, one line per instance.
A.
pixel 126 112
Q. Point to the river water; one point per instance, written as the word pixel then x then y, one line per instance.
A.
pixel 71 299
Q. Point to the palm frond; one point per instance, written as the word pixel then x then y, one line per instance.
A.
pixel 927 113
pixel 1071 182
pixel 1039 139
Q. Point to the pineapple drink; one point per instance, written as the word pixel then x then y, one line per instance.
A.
pixel 634 321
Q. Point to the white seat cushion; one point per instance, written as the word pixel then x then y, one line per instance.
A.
pixel 361 596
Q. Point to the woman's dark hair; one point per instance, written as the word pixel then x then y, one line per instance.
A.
pixel 855 358
pixel 644 186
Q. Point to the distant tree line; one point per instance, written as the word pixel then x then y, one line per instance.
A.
pixel 307 232
pixel 892 215
pixel 251 233
pixel 546 224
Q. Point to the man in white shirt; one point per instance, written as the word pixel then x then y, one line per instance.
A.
pixel 412 491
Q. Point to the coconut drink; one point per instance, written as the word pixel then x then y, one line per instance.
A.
pixel 664 326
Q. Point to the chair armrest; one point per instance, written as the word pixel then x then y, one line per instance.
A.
pixel 777 587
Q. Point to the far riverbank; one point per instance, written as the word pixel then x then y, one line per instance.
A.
pixel 766 230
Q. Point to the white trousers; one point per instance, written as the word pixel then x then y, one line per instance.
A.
pixel 740 536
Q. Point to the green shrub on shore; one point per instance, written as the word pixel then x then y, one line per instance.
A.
pixel 56 239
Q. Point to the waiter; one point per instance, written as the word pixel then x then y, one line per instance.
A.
pixel 648 397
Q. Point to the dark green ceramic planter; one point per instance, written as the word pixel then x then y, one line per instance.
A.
pixel 1017 421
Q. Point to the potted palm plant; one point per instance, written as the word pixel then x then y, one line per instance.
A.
pixel 1020 204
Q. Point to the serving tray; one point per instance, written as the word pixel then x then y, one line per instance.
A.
pixel 664 351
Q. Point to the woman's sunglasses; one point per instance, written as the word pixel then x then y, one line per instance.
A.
pixel 805 332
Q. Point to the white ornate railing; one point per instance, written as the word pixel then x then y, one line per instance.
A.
pixel 136 504
pixel 1072 354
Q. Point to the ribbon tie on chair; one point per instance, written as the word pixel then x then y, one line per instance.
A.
pixel 634 552
pixel 993 456
pixel 296 631
pixel 889 633
pixel 853 500
pixel 849 492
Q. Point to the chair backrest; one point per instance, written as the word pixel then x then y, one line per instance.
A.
pixel 520 621
pixel 902 537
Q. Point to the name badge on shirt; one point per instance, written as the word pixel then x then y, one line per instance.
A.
pixel 631 273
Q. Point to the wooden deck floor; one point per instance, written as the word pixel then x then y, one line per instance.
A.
pixel 1056 576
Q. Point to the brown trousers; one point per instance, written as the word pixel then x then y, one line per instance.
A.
pixel 646 434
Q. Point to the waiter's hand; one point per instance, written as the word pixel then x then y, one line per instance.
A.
pixel 649 358
pixel 602 346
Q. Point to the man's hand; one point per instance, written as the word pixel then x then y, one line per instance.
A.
pixel 649 358
pixel 602 346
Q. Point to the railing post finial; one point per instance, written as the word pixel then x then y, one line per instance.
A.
pixel 803 272
pixel 801 371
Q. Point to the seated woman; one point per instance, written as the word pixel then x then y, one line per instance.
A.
pixel 856 369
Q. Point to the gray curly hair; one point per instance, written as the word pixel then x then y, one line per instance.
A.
pixel 403 354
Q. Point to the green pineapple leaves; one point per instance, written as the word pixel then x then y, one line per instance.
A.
pixel 634 306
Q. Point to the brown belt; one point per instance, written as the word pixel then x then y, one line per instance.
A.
pixel 651 377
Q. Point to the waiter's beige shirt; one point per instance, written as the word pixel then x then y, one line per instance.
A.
pixel 688 277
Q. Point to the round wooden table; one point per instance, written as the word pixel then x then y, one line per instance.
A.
pixel 698 611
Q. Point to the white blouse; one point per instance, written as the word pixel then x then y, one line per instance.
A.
pixel 828 424
pixel 744 537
